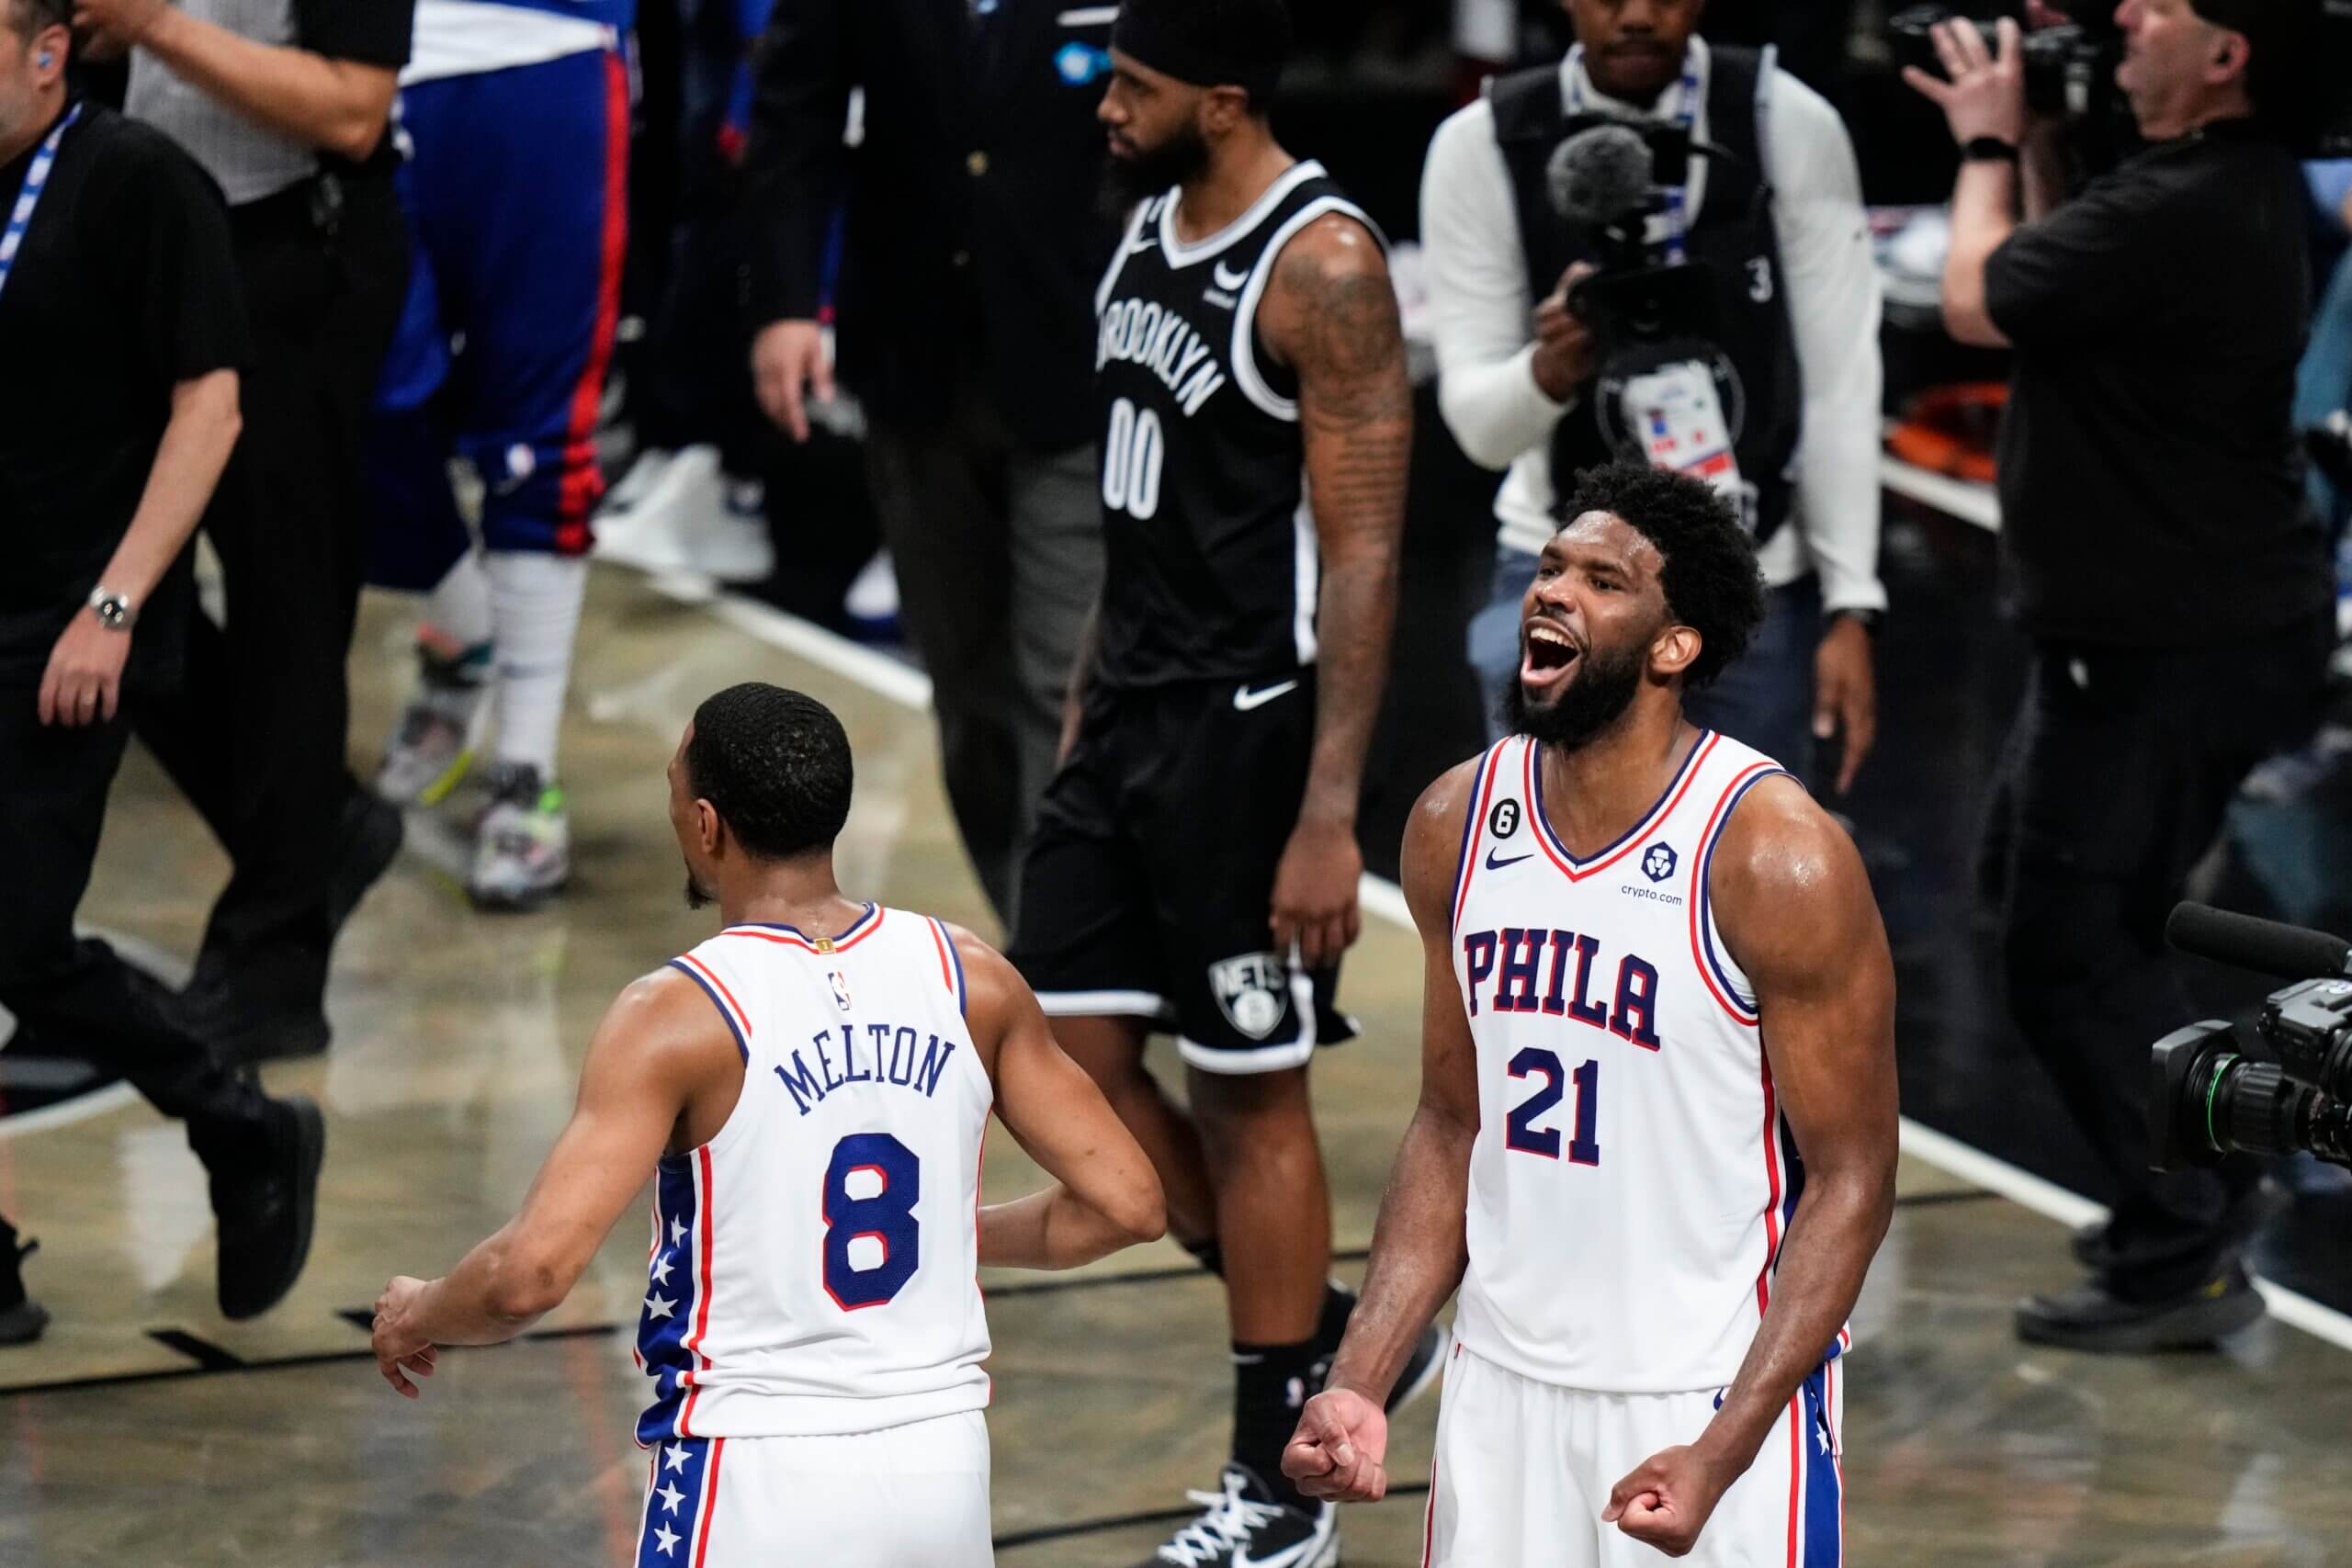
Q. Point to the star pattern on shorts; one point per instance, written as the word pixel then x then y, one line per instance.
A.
pixel 665 1538
pixel 671 1497
pixel 1822 1432
pixel 677 1457
pixel 659 1306
pixel 661 1270
pixel 678 1229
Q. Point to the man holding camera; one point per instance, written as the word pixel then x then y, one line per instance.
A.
pixel 2161 559
pixel 1760 190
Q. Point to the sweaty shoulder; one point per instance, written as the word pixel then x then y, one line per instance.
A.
pixel 1785 878
pixel 1433 845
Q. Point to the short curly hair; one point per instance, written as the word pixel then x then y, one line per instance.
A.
pixel 775 765
pixel 1711 580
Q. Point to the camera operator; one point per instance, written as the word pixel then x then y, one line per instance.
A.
pixel 2164 562
pixel 1796 296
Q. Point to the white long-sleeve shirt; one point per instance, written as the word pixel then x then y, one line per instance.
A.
pixel 1482 315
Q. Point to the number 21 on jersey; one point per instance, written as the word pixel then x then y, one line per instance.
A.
pixel 1524 1136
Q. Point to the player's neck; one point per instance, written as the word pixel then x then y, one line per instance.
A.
pixel 1600 792
pixel 800 894
pixel 1237 176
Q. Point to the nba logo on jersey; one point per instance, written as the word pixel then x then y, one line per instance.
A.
pixel 841 988
pixel 1249 990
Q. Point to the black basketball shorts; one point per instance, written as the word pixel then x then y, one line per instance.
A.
pixel 1150 877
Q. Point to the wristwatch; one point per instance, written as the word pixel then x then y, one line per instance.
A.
pixel 1988 149
pixel 116 612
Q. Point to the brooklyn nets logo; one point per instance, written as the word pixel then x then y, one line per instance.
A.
pixel 1658 862
pixel 1249 990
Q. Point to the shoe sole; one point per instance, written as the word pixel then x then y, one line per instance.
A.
pixel 22 1323
pixel 2189 1328
pixel 310 1153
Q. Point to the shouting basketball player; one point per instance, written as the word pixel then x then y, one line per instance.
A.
pixel 1196 864
pixel 1656 1142
pixel 810 1089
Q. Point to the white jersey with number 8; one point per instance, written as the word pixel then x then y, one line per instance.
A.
pixel 815 1265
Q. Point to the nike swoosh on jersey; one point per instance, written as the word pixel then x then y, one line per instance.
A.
pixel 1245 701
pixel 1494 864
pixel 1228 281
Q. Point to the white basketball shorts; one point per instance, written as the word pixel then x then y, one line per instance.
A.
pixel 911 1496
pixel 1524 1469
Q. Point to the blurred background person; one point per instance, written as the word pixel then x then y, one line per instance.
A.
pixel 2165 565
pixel 1781 223
pixel 516 119
pixel 971 257
pixel 286 103
pixel 122 328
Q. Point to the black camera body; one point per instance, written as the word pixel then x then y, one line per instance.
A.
pixel 2069 69
pixel 2289 1090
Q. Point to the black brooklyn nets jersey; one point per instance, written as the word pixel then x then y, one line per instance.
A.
pixel 1210 563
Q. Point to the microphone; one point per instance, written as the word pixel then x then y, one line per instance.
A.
pixel 1599 176
pixel 2266 947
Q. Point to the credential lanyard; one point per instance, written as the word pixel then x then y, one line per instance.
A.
pixel 1685 117
pixel 20 217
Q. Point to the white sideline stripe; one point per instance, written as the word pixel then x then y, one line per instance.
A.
pixel 80 1108
pixel 910 688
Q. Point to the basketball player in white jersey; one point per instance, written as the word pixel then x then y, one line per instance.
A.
pixel 1655 1142
pixel 810 1089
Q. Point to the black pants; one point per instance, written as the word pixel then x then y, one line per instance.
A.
pixel 2112 787
pixel 76 995
pixel 256 737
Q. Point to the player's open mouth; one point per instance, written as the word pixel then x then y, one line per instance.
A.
pixel 1549 657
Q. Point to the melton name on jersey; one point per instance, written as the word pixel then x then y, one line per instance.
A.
pixel 1632 1178
pixel 815 1265
pixel 1212 568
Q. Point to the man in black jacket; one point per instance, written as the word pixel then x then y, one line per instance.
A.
pixel 967 325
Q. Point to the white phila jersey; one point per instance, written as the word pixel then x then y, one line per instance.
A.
pixel 815 1266
pixel 1632 1177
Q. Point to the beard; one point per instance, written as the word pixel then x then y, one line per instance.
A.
pixel 1129 180
pixel 1595 700
pixel 697 895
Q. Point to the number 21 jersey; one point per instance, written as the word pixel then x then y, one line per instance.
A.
pixel 1632 1178
pixel 815 1265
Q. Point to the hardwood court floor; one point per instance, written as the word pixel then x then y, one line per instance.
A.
pixel 457 1036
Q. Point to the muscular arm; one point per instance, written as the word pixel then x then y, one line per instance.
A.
pixel 1330 314
pixel 340 106
pixel 660 1046
pixel 1796 910
pixel 1419 1246
pixel 1104 1195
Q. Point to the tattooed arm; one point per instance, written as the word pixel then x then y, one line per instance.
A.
pixel 1330 315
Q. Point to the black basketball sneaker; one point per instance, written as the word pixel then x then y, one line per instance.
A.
pixel 1241 1525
